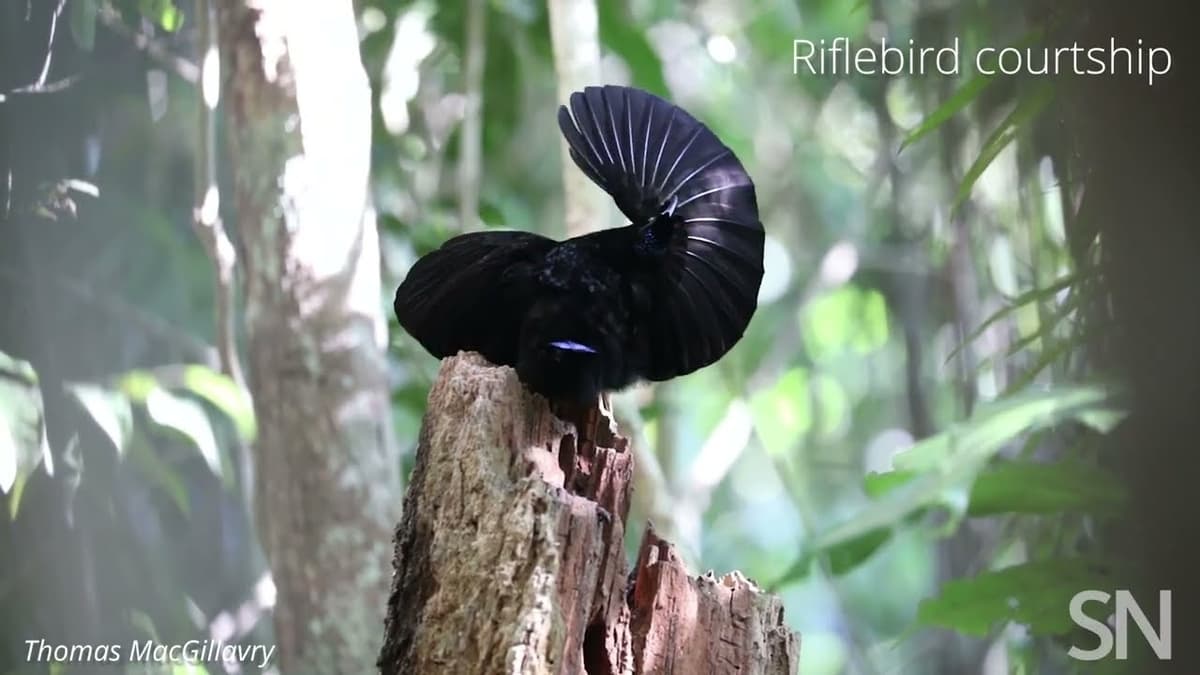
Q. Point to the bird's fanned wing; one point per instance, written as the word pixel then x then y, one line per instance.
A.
pixel 656 160
pixel 471 294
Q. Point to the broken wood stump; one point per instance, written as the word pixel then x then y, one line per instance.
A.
pixel 509 557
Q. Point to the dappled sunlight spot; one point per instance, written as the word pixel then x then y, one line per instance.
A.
pixel 614 70
pixel 848 127
pixel 723 446
pixel 848 319
pixel 271 30
pixel 685 61
pixel 832 407
pixel 903 106
pixel 987 382
pixel 839 264
pixel 401 72
pixel 824 653
pixel 721 49
pixel 372 20
pixel 877 457
pixel 1002 265
pixel 264 591
pixel 783 413
pixel 1051 202
pixel 777 271
pixel 774 145
pixel 8 456
pixel 210 208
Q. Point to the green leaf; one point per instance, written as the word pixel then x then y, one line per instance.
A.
pixel 848 555
pixel 943 467
pixel 1053 352
pixel 963 96
pixel 189 419
pixel 629 42
pixel 160 473
pixel 83 23
pixel 1044 488
pixel 846 319
pixel 22 433
pixel 957 101
pixel 877 484
pixel 162 12
pixel 841 558
pixel 169 17
pixel 1035 295
pixel 110 410
pixel 138 384
pixel 783 413
pixel 10 454
pixel 998 423
pixel 221 391
pixel 1027 108
pixel 1036 594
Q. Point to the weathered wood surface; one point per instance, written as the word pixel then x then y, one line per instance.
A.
pixel 510 558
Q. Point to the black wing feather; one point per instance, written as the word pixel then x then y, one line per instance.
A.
pixel 654 158
pixel 471 294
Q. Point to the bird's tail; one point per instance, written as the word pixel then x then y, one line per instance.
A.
pixel 661 165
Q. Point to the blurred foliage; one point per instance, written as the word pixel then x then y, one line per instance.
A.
pixel 905 439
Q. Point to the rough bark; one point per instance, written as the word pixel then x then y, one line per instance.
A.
pixel 298 110
pixel 510 555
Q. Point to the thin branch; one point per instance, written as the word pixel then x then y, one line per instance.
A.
pixel 185 69
pixel 470 155
pixel 206 220
pixel 41 87
pixel 50 44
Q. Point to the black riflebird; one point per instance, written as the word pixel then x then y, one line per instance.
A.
pixel 663 296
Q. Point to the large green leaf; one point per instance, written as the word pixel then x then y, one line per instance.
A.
pixel 941 469
pixel 1042 488
pixel 1026 109
pixel 840 559
pixel 996 424
pixel 221 391
pixel 188 418
pixel 1036 594
pixel 110 410
pixel 22 435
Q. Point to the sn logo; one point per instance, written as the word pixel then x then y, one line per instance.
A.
pixel 1127 607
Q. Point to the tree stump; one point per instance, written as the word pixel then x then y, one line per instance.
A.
pixel 509 557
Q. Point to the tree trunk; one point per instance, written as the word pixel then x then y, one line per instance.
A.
pixel 510 556
pixel 298 111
